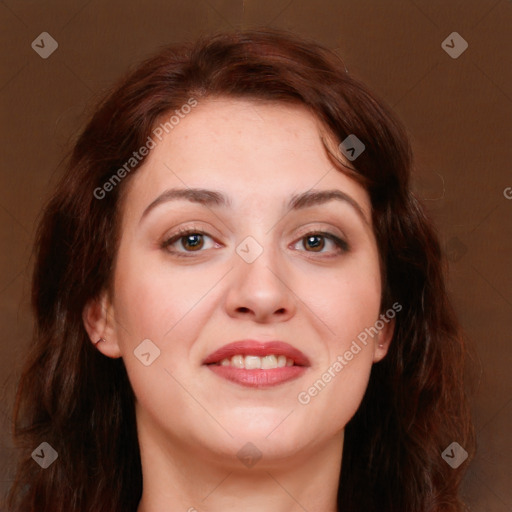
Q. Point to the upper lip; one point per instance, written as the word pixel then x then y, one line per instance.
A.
pixel 257 348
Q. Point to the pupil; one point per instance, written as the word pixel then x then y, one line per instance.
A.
pixel 312 243
pixel 190 240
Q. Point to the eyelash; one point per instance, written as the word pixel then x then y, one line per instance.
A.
pixel 342 245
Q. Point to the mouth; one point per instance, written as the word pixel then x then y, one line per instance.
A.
pixel 257 364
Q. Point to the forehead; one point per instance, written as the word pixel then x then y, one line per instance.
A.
pixel 258 153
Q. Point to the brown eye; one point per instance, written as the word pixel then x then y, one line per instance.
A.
pixel 194 240
pixel 190 241
pixel 315 242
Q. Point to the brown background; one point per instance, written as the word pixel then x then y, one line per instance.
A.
pixel 458 113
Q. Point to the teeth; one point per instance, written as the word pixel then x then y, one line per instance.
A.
pixel 281 361
pixel 252 362
pixel 238 361
pixel 255 362
pixel 269 362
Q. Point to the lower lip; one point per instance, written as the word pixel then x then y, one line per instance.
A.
pixel 258 378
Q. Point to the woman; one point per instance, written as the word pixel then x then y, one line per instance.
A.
pixel 239 302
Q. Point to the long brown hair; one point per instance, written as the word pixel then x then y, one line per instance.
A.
pixel 81 402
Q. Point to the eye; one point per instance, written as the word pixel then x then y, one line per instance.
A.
pixel 192 240
pixel 316 241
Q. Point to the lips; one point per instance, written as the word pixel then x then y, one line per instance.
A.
pixel 238 362
pixel 256 348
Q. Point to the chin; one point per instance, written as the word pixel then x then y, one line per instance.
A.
pixel 271 433
pixel 255 451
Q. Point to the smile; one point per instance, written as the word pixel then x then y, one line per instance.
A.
pixel 252 362
pixel 257 364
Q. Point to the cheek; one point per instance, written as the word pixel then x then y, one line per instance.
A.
pixel 347 300
pixel 152 300
pixel 348 303
pixel 156 303
pixel 334 392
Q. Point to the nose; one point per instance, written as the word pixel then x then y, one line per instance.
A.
pixel 261 290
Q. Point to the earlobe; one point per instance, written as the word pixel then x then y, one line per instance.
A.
pixel 99 322
pixel 383 341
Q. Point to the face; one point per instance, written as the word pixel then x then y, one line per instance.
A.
pixel 193 275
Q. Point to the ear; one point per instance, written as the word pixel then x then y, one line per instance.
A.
pixel 383 340
pixel 99 322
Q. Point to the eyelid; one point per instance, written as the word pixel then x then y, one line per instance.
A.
pixel 175 236
pixel 321 227
pixel 183 230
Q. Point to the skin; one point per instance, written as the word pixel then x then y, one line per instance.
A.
pixel 191 422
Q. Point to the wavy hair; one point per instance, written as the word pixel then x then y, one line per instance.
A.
pixel 81 402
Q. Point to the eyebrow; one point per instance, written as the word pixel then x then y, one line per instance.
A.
pixel 215 199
